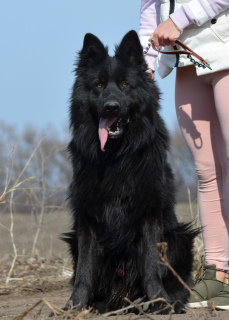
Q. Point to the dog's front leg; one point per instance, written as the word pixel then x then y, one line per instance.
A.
pixel 85 270
pixel 152 283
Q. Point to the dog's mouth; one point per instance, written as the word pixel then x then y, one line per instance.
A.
pixel 111 128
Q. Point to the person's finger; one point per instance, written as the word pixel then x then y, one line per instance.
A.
pixel 151 72
pixel 151 37
pixel 155 39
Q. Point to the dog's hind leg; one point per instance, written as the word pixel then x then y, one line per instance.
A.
pixel 86 270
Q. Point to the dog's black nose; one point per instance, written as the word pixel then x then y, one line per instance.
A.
pixel 111 108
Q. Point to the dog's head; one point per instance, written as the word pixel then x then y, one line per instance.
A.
pixel 112 89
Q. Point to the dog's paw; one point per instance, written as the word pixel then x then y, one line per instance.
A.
pixel 179 307
pixel 52 313
pixel 161 307
pixel 78 300
pixel 73 304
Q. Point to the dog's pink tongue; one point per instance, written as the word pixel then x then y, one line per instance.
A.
pixel 103 131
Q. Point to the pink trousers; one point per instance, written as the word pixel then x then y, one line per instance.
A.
pixel 202 106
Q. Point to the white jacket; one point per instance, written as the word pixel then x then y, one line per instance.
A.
pixel 210 40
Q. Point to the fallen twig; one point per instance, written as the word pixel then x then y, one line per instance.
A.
pixel 122 310
pixel 21 316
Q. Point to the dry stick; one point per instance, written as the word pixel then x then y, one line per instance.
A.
pixel 21 316
pixel 38 314
pixel 41 216
pixel 61 311
pixel 51 307
pixel 11 227
pixel 12 239
pixel 14 188
pixel 135 304
pixel 9 177
pixel 139 305
pixel 131 307
pixel 30 158
pixel 9 164
pixel 4 227
pixel 83 313
pixel 117 311
pixel 16 184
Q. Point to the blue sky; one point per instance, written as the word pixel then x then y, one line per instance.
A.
pixel 39 41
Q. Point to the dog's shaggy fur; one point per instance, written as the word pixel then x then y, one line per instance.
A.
pixel 122 192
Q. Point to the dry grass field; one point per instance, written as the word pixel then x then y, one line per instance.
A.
pixel 40 282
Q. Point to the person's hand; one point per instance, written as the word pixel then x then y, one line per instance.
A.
pixel 151 73
pixel 165 34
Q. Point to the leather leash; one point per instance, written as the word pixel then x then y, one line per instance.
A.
pixel 189 52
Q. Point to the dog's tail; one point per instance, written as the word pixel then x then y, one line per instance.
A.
pixel 180 246
pixel 177 261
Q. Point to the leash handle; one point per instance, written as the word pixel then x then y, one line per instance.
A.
pixel 204 64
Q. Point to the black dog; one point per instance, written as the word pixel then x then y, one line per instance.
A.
pixel 122 192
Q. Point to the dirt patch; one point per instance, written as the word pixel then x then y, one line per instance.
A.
pixel 32 281
pixel 44 279
pixel 15 306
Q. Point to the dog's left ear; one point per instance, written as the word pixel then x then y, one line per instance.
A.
pixel 93 51
pixel 130 49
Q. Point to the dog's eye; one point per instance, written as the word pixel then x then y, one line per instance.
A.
pixel 124 84
pixel 99 85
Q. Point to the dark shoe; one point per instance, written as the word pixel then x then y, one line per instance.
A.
pixel 221 302
pixel 207 288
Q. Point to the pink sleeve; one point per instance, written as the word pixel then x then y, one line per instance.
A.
pixel 198 12
pixel 149 19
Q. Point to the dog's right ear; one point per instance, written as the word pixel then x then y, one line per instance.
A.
pixel 130 49
pixel 93 50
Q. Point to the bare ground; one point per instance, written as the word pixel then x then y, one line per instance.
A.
pixel 41 282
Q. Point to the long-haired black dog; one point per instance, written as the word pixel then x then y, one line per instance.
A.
pixel 122 192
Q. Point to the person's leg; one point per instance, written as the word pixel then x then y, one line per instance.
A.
pixel 220 83
pixel 198 119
